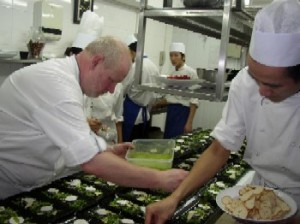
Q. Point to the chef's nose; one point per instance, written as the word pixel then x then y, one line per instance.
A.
pixel 265 91
pixel 111 88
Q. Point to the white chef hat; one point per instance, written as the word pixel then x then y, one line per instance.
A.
pixel 90 28
pixel 275 38
pixel 177 47
pixel 130 40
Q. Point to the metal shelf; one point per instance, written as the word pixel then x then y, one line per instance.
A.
pixel 217 23
pixel 207 91
pixel 205 21
pixel 206 94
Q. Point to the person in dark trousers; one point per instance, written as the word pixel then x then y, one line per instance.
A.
pixel 137 103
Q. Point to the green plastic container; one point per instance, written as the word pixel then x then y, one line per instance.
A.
pixel 153 153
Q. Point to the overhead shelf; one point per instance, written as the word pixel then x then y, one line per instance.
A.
pixel 206 92
pixel 230 23
pixel 205 21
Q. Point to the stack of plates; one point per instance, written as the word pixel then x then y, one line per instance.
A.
pixel 7 54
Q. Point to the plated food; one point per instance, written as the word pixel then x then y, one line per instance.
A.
pixel 66 198
pixel 142 197
pixel 82 188
pixel 256 203
pixel 178 81
pixel 8 215
pixel 127 207
pixel 180 77
pixel 199 214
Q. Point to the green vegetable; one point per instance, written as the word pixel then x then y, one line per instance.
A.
pixel 61 196
pixel 7 213
pixel 148 155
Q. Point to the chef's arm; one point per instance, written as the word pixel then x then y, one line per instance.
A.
pixel 119 131
pixel 116 169
pixel 206 167
pixel 189 123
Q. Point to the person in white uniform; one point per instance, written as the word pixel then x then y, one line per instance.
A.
pixel 107 109
pixel 137 103
pixel 180 110
pixel 90 27
pixel 104 113
pixel 44 134
pixel 263 106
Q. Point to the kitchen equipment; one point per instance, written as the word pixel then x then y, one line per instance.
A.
pixel 211 75
pixel 24 54
pixel 200 72
pixel 153 153
pixel 36 42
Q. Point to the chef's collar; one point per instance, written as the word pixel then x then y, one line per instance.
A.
pixel 275 38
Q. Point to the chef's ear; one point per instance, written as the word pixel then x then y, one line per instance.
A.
pixel 96 59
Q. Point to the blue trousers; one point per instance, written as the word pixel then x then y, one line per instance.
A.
pixel 177 116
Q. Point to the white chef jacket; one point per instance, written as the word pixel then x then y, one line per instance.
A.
pixel 108 108
pixel 141 97
pixel 185 101
pixel 43 130
pixel 272 131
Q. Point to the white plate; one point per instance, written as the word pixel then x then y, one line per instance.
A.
pixel 7 54
pixel 234 193
pixel 183 83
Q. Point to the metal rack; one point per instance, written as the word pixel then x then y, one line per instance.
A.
pixel 211 22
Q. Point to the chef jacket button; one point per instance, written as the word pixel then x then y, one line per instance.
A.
pixel 257 153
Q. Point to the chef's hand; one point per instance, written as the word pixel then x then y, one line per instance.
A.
pixel 160 212
pixel 188 127
pixel 120 149
pixel 94 124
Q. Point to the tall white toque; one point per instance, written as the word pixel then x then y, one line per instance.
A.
pixel 275 38
pixel 130 40
pixel 177 47
pixel 90 28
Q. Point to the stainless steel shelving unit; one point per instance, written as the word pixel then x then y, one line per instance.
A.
pixel 230 24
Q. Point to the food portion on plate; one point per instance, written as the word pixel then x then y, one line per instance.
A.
pixel 257 203
pixel 182 81
pixel 179 77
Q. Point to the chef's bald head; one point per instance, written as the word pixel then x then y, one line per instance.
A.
pixel 111 48
pixel 275 38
